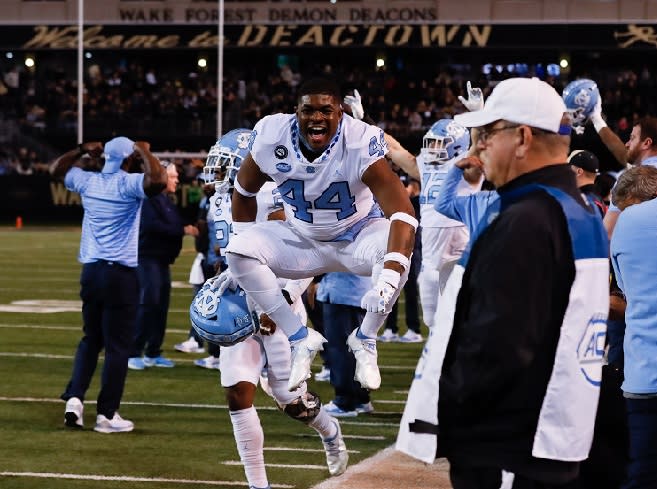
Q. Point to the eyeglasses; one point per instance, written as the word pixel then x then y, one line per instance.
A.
pixel 485 134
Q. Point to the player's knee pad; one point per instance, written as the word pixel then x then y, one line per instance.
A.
pixel 304 408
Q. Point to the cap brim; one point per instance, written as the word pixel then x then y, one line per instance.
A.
pixel 477 118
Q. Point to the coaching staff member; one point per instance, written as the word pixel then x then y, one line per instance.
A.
pixel 109 288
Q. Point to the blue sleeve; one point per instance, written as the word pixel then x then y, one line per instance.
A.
pixel 133 185
pixel 74 179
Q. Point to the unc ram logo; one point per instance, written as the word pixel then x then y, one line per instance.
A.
pixel 455 130
pixel 591 349
pixel 244 140
pixel 583 98
pixel 206 302
pixel 251 140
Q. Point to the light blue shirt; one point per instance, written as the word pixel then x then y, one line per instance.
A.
pixel 652 161
pixel 343 288
pixel 468 209
pixel 635 263
pixel 112 209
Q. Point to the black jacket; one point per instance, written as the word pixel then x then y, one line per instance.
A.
pixel 161 229
pixel 507 322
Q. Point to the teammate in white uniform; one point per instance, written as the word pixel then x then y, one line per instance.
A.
pixel 443 239
pixel 269 349
pixel 328 169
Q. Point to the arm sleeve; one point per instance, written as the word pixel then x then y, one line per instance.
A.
pixel 158 218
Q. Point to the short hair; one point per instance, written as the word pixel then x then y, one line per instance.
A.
pixel 323 86
pixel 648 127
pixel 636 184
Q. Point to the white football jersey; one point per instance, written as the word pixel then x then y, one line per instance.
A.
pixel 220 223
pixel 432 181
pixel 269 200
pixel 323 198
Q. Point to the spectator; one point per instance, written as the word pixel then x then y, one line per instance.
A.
pixel 161 234
pixel 517 396
pixel 635 264
pixel 586 167
pixel 109 285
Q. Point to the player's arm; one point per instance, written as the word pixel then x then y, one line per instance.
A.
pixel 155 175
pixel 65 162
pixel 248 182
pixel 401 157
pixel 607 136
pixel 396 205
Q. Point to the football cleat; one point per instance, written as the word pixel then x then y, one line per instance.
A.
pixel 303 353
pixel 337 457
pixel 337 412
pixel 388 337
pixel 367 369
pixel 411 337
pixel 211 363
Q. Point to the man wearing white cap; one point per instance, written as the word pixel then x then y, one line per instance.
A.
pixel 109 290
pixel 516 378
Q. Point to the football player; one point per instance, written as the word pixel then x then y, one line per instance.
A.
pixel 269 350
pixel 328 169
pixel 443 239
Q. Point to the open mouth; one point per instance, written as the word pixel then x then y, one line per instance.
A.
pixel 316 135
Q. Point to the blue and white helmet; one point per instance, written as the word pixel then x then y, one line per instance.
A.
pixel 225 158
pixel 222 319
pixel 580 97
pixel 445 140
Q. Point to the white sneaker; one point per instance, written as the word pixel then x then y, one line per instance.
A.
pixel 365 408
pixel 115 425
pixel 303 352
pixel 210 362
pixel 189 346
pixel 337 457
pixel 323 375
pixel 411 337
pixel 73 413
pixel 367 370
pixel 388 336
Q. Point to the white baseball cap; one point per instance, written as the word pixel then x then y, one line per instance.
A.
pixel 527 101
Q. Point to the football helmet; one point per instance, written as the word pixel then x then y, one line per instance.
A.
pixel 225 158
pixel 445 140
pixel 224 319
pixel 580 97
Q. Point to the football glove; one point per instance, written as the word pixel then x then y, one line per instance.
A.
pixel 223 281
pixel 475 100
pixel 379 298
pixel 354 101
pixel 596 116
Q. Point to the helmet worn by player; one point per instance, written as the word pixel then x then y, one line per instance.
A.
pixel 446 139
pixel 225 158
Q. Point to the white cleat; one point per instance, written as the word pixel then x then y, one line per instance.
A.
pixel 367 369
pixel 337 457
pixel 303 352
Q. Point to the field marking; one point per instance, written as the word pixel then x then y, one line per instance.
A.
pixel 291 449
pixel 279 466
pixel 347 437
pixel 126 478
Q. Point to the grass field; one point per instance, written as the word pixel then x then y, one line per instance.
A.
pixel 182 435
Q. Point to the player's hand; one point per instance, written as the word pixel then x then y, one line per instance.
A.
pixel 475 100
pixel 223 281
pixel 469 162
pixel 379 298
pixel 354 101
pixel 93 148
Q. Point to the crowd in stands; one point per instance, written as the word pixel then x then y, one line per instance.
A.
pixel 139 99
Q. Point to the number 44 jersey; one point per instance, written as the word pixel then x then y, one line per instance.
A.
pixel 325 197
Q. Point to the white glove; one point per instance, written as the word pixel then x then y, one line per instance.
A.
pixel 354 101
pixel 379 298
pixel 596 116
pixel 475 100
pixel 223 281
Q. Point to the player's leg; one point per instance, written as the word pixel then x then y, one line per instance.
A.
pixel 301 404
pixel 240 366
pixel 255 258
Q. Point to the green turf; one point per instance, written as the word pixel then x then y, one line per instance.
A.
pixel 191 441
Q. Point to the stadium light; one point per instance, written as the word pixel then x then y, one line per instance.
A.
pixel 380 63
pixel 563 62
pixel 88 55
pixel 202 63
pixel 29 62
pixel 9 55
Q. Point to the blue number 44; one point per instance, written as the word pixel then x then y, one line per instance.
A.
pixel 336 197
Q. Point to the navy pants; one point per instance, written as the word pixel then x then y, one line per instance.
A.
pixel 109 294
pixel 642 425
pixel 339 322
pixel 154 293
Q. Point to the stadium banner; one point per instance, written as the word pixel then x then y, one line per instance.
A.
pixel 570 37
pixel 41 199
